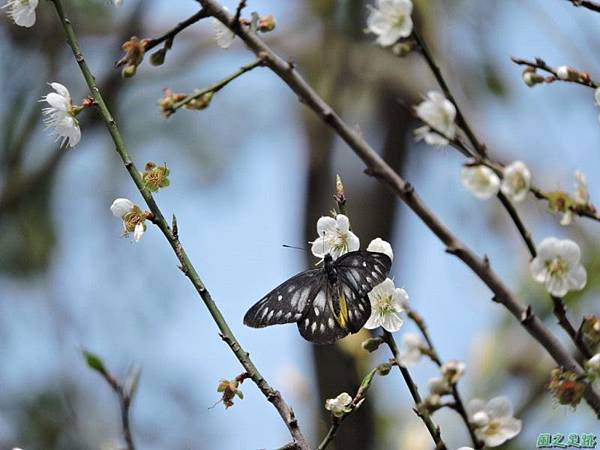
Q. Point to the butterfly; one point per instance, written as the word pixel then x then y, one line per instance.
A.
pixel 327 303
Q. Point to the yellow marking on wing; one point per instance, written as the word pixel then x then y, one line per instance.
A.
pixel 343 315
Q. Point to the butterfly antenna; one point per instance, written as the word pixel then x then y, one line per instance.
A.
pixel 294 247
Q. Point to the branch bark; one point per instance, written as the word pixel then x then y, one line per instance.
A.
pixel 186 265
pixel 377 167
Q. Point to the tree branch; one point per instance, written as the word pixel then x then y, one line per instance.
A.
pixel 376 166
pixel 434 430
pixel 433 354
pixel 589 4
pixel 170 35
pixel 186 266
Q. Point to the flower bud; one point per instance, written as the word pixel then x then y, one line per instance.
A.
pixel 158 58
pixel 200 103
pixel 371 344
pixel 266 24
pixel 129 71
pixel 566 73
pixel 590 332
pixel 566 387
pixel 531 77
pixel 384 369
pixel 401 49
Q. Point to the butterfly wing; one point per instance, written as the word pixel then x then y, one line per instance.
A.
pixel 287 302
pixel 319 324
pixel 358 272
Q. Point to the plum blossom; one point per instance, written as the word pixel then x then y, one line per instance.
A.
pixel 557 265
pixel 380 246
pixel 481 181
pixel 494 422
pixel 516 180
pixel 340 405
pixel 132 216
pixel 22 12
pixel 439 114
pixel 60 115
pixel 390 20
pixel 335 237
pixel 223 35
pixel 386 306
pixel 412 349
pixel 453 370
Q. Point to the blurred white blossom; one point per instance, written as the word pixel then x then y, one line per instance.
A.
pixel 22 12
pixel 340 405
pixel 386 306
pixel 380 246
pixel 438 386
pixel 390 20
pixel 494 422
pixel 481 181
pixel 412 349
pixel 223 35
pixel 60 115
pixel 564 72
pixel 335 237
pixel 516 181
pixel 117 2
pixel 557 266
pixel 581 195
pixel 438 113
pixel 132 216
pixel 453 370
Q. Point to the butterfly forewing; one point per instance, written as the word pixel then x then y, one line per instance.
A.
pixel 359 272
pixel 287 302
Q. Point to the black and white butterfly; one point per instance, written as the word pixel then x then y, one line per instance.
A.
pixel 326 303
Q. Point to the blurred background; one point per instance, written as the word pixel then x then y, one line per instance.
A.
pixel 255 171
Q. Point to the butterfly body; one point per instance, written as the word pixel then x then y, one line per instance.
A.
pixel 326 303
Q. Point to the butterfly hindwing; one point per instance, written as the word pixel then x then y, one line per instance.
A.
pixel 359 272
pixel 319 324
pixel 287 302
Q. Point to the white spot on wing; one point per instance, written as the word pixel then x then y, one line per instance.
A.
pixel 331 323
pixel 306 323
pixel 287 315
pixel 322 327
pixel 317 312
pixel 280 297
pixel 320 300
pixel 270 315
pixel 313 327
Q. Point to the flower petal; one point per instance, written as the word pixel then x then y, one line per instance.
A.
pixel 121 206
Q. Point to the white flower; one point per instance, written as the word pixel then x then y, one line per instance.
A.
pixel 481 181
pixel 581 195
pixel 223 35
pixel 386 306
pixel 390 20
pixel 494 421
pixel 597 96
pixel 132 216
pixel 412 349
pixel 515 183
pixel 335 237
pixel 380 246
pixel 453 371
pixel 60 115
pixel 117 2
pixel 438 113
pixel 593 365
pixel 339 405
pixel 557 266
pixel 438 386
pixel 22 12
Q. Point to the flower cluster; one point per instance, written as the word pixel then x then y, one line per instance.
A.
pixel 340 405
pixel 336 238
pixel 451 373
pixel 485 183
pixel 22 12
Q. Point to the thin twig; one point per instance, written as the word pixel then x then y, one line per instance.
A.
pixel 560 311
pixel 589 4
pixel 170 35
pixel 434 356
pixel 186 266
pixel 377 167
pixel 541 65
pixel 432 427
pixel 215 87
